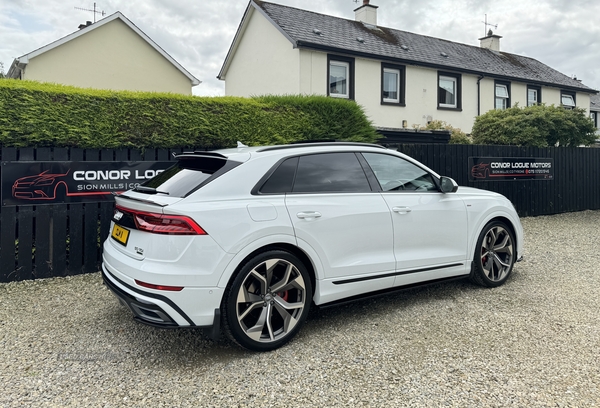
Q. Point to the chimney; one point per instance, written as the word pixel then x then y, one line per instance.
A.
pixel 82 26
pixel 491 41
pixel 366 13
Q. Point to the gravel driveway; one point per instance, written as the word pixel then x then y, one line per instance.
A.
pixel 533 342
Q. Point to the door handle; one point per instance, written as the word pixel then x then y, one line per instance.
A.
pixel 308 215
pixel 401 210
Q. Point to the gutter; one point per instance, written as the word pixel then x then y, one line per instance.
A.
pixel 479 78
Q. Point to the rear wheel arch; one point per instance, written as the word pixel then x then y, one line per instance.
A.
pixel 294 250
pixel 267 298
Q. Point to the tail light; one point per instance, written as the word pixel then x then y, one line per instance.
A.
pixel 164 223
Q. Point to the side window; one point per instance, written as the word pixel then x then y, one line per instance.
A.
pixel 396 174
pixel 567 100
pixel 449 90
pixel 330 172
pixel 534 95
pixel 392 84
pixel 340 73
pixel 502 95
pixel 282 179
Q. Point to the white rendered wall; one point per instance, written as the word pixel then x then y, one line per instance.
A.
pixel 109 57
pixel 280 70
pixel 313 72
pixel 264 62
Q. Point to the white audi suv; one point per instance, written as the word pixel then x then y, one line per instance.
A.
pixel 246 240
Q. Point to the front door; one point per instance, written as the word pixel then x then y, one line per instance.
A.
pixel 430 228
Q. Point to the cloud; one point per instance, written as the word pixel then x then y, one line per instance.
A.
pixel 198 34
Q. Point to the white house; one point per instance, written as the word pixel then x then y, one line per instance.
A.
pixel 400 78
pixel 112 53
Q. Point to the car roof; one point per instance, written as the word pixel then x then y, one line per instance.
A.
pixel 244 153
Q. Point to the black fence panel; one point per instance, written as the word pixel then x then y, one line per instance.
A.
pixel 573 187
pixel 40 241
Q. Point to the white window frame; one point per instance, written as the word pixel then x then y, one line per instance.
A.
pixel 535 101
pixel 345 65
pixel 454 80
pixel 397 73
pixel 501 97
pixel 568 97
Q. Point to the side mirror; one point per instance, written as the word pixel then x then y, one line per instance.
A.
pixel 448 185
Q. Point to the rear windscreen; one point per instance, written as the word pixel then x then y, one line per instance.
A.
pixel 189 174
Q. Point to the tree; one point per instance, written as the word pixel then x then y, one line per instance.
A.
pixel 2 70
pixel 537 125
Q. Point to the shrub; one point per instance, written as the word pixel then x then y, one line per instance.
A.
pixel 36 115
pixel 457 136
pixel 538 125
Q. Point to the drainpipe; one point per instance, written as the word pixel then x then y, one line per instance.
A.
pixel 479 78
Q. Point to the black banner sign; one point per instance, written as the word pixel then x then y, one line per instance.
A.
pixel 510 168
pixel 72 182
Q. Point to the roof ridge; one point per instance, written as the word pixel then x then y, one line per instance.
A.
pixel 340 36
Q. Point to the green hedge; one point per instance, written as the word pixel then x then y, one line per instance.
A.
pixel 36 115
pixel 538 125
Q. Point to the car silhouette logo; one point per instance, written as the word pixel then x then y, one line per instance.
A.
pixel 43 186
pixel 481 170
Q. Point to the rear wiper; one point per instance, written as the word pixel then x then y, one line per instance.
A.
pixel 149 190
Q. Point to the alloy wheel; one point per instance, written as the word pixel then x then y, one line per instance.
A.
pixel 497 253
pixel 271 300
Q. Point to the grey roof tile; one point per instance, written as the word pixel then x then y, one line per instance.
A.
pixel 385 43
pixel 595 102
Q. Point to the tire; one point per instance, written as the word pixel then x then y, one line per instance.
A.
pixel 495 255
pixel 267 302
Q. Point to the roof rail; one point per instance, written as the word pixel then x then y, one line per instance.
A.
pixel 299 145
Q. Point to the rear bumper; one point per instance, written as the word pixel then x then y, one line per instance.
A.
pixel 156 310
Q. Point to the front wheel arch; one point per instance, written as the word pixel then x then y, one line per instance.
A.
pixel 507 221
pixel 495 254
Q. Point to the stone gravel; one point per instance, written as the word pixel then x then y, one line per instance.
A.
pixel 534 342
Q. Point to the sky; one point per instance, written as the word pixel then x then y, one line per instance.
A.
pixel 563 34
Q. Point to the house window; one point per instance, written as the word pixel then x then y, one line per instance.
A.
pixel 392 84
pixel 502 94
pixel 567 99
pixel 449 96
pixel 594 118
pixel 534 95
pixel 341 77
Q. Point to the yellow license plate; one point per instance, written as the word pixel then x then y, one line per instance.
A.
pixel 120 234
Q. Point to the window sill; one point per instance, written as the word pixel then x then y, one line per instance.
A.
pixel 450 109
pixel 347 98
pixel 393 103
